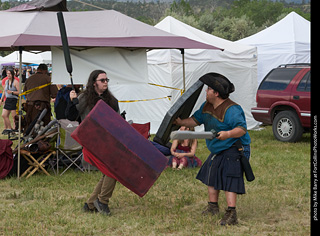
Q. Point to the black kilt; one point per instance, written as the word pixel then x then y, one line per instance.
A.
pixel 10 104
pixel 223 172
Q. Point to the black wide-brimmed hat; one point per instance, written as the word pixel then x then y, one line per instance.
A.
pixel 218 83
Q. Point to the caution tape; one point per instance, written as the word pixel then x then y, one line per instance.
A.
pixel 30 91
pixel 164 86
pixel 145 100
pixel 35 89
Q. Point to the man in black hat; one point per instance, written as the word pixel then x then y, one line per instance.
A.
pixel 222 170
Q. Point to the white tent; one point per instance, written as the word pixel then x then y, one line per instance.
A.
pixel 128 74
pixel 285 42
pixel 28 57
pixel 237 62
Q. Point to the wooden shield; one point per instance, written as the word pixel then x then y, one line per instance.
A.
pixel 182 108
pixel 118 150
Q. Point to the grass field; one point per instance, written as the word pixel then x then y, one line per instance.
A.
pixel 276 203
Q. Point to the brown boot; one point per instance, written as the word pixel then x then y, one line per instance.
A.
pixel 229 218
pixel 212 209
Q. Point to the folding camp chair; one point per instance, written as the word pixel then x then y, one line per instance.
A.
pixel 37 152
pixel 68 151
pixel 143 129
pixel 36 163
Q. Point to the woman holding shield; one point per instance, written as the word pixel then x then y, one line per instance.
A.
pixel 79 107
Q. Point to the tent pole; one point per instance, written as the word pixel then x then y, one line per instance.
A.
pixel 183 70
pixel 20 112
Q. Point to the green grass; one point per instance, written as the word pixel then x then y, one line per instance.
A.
pixel 276 203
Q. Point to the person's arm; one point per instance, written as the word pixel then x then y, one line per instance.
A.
pixel 16 85
pixel 72 112
pixel 1 100
pixel 191 153
pixel 189 122
pixel 53 90
pixel 173 147
pixel 193 148
pixel 3 96
pixel 13 92
pixel 236 120
pixel 234 133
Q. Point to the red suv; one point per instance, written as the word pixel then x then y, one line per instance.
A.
pixel 283 100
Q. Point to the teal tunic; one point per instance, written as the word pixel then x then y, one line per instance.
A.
pixel 222 169
pixel 225 117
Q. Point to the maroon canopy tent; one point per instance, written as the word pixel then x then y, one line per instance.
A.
pixel 42 5
pixel 38 30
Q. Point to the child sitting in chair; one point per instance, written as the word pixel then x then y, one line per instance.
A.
pixel 183 153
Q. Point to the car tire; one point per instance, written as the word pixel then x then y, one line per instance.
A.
pixel 286 127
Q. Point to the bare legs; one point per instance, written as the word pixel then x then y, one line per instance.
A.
pixel 6 120
pixel 214 196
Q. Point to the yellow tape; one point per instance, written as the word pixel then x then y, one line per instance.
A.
pixel 163 86
pixel 30 91
pixel 34 89
pixel 145 100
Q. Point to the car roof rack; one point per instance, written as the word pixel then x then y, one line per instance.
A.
pixel 295 65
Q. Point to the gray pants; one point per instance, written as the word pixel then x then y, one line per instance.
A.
pixel 103 191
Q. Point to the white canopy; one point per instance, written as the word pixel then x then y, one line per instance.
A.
pixel 237 62
pixel 128 74
pixel 285 42
pixel 28 57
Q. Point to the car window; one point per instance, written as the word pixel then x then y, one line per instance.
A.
pixel 278 79
pixel 305 83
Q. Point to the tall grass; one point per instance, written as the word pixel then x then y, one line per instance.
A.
pixel 276 203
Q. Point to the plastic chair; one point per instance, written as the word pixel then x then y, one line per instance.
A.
pixel 70 150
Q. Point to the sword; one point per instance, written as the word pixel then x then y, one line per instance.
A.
pixel 184 134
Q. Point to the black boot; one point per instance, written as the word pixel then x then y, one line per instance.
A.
pixel 230 217
pixel 87 209
pixel 212 208
pixel 102 208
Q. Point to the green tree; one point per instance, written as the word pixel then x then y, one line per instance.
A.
pixel 233 28
pixel 207 22
pixel 4 5
pixel 259 11
pixel 182 8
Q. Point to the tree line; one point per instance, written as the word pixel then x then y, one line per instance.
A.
pixel 235 19
pixel 228 19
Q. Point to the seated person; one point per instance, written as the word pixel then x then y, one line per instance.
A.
pixel 183 153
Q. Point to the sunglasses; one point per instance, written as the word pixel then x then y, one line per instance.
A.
pixel 103 80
